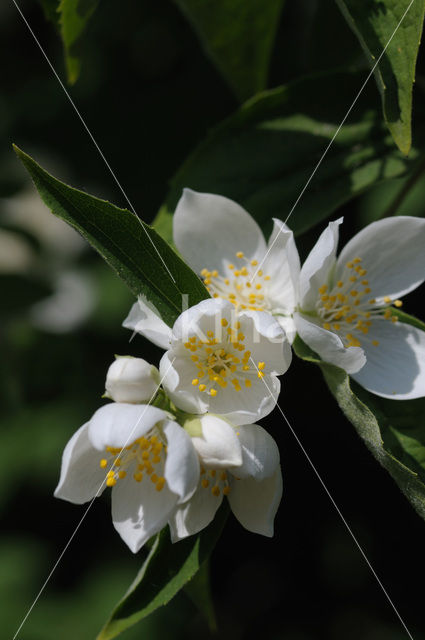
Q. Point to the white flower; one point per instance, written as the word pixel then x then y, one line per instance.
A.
pixel 224 244
pixel 131 380
pixel 345 312
pixel 224 363
pixel 145 319
pixel 147 459
pixel 242 464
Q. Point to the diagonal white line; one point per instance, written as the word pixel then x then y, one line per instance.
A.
pixel 334 136
pixel 328 493
pixel 92 138
pixel 89 507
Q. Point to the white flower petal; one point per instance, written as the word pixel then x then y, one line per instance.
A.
pixel 288 325
pixel 81 477
pixel 145 320
pixel 395 368
pixel 177 374
pixel 316 269
pixel 210 229
pixel 182 464
pixel 255 503
pixel 248 404
pixel 266 340
pixel 282 264
pixel 393 253
pixel 201 318
pixel 139 510
pixel 259 451
pixel 219 446
pixel 238 407
pixel 329 346
pixel 194 515
pixel 118 424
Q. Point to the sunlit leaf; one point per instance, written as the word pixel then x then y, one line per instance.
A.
pixel 265 153
pixel 74 16
pixel 375 24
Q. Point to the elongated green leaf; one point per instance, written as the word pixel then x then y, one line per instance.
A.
pixel 74 16
pixel 375 23
pixel 165 571
pixel 263 156
pixel 199 591
pixel 394 431
pixel 137 253
pixel 238 36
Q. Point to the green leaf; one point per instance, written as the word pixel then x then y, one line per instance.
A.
pixel 393 430
pixel 374 24
pixel 238 36
pixel 165 571
pixel 133 249
pixel 51 10
pixel 264 154
pixel 74 16
pixel 199 591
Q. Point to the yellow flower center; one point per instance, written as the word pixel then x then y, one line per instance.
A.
pixel 144 457
pixel 244 286
pixel 216 480
pixel 348 308
pixel 221 360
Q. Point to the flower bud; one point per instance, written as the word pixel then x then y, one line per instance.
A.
pixel 131 380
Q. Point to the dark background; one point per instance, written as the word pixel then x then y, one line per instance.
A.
pixel 149 94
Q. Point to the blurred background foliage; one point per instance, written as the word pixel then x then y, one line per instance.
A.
pixel 150 94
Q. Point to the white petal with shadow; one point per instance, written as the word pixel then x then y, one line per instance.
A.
pixel 182 464
pixel 209 229
pixel 317 267
pixel 139 510
pixel 248 404
pixel 119 424
pixel 329 346
pixel 266 340
pixel 194 515
pixel 282 264
pixel 395 368
pixel 145 320
pixel 177 374
pixel 393 253
pixel 81 477
pixel 255 503
pixel 259 451
pixel 219 446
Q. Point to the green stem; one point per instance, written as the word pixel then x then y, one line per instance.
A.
pixel 392 210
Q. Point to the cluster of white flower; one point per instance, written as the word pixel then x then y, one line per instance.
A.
pixel 175 441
